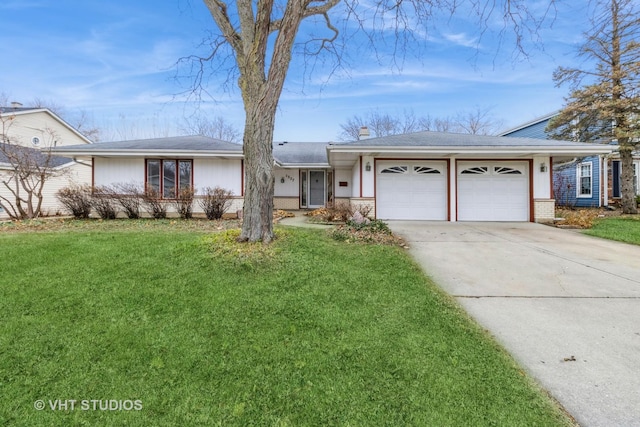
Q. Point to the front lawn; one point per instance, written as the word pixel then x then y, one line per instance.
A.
pixel 624 229
pixel 181 328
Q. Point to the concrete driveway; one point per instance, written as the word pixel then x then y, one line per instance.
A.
pixel 565 305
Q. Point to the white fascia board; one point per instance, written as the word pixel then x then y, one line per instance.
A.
pixel 489 150
pixel 148 154
pixel 304 165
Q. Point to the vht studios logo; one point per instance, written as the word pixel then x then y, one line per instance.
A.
pixel 88 405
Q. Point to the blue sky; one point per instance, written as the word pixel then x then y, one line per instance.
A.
pixel 116 61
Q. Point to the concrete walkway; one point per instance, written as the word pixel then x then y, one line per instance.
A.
pixel 565 305
pixel 301 220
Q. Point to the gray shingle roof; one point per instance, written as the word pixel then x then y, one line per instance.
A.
pixel 300 153
pixel 187 143
pixel 4 110
pixel 36 154
pixel 443 139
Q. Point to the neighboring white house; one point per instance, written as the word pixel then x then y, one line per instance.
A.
pixel 40 129
pixel 419 176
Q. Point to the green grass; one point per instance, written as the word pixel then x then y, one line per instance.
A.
pixel 308 332
pixel 623 229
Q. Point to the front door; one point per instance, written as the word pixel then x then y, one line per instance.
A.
pixel 316 189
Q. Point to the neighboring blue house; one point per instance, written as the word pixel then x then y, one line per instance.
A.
pixel 580 182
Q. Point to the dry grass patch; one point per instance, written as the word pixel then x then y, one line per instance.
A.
pixel 581 217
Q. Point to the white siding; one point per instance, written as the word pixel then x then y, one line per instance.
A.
pixel 218 172
pixel 24 126
pixel 355 178
pixel 73 173
pixel 343 175
pixel 368 177
pixel 541 180
pixel 118 171
pixel 291 185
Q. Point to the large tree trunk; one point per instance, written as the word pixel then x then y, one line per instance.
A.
pixel 627 190
pixel 257 219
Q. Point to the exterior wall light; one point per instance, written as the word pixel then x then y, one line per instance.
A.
pixel 543 167
pixel 368 167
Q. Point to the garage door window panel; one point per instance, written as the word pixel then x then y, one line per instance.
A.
pixel 424 170
pixel 395 169
pixel 478 170
pixel 502 170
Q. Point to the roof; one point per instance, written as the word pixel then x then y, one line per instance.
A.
pixel 463 140
pixel 300 154
pixel 4 110
pixel 175 145
pixel 41 158
pixel 448 145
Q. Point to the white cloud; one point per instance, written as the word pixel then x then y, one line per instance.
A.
pixel 462 39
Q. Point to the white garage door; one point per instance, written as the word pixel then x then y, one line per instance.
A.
pixel 411 190
pixel 493 191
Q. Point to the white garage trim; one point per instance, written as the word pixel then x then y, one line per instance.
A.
pixel 411 190
pixel 493 191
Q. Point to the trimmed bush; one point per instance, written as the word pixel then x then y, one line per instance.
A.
pixel 215 202
pixel 184 202
pixel 102 201
pixel 129 196
pixel 76 199
pixel 153 204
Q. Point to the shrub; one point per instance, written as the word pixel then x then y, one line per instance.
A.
pixel 340 212
pixel 184 202
pixel 102 201
pixel 215 202
pixel 76 199
pixel 372 231
pixel 153 203
pixel 129 196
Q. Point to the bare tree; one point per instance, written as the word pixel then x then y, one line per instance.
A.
pixel 215 127
pixel 126 128
pixel 604 102
pixel 24 171
pixel 478 122
pixel 258 40
pixel 383 124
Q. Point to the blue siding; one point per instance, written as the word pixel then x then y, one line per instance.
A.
pixel 565 185
pixel 566 176
pixel 535 130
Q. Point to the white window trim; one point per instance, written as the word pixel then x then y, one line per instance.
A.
pixel 579 181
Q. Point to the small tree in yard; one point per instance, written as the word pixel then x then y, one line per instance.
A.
pixel 215 202
pixel 25 172
pixel 76 199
